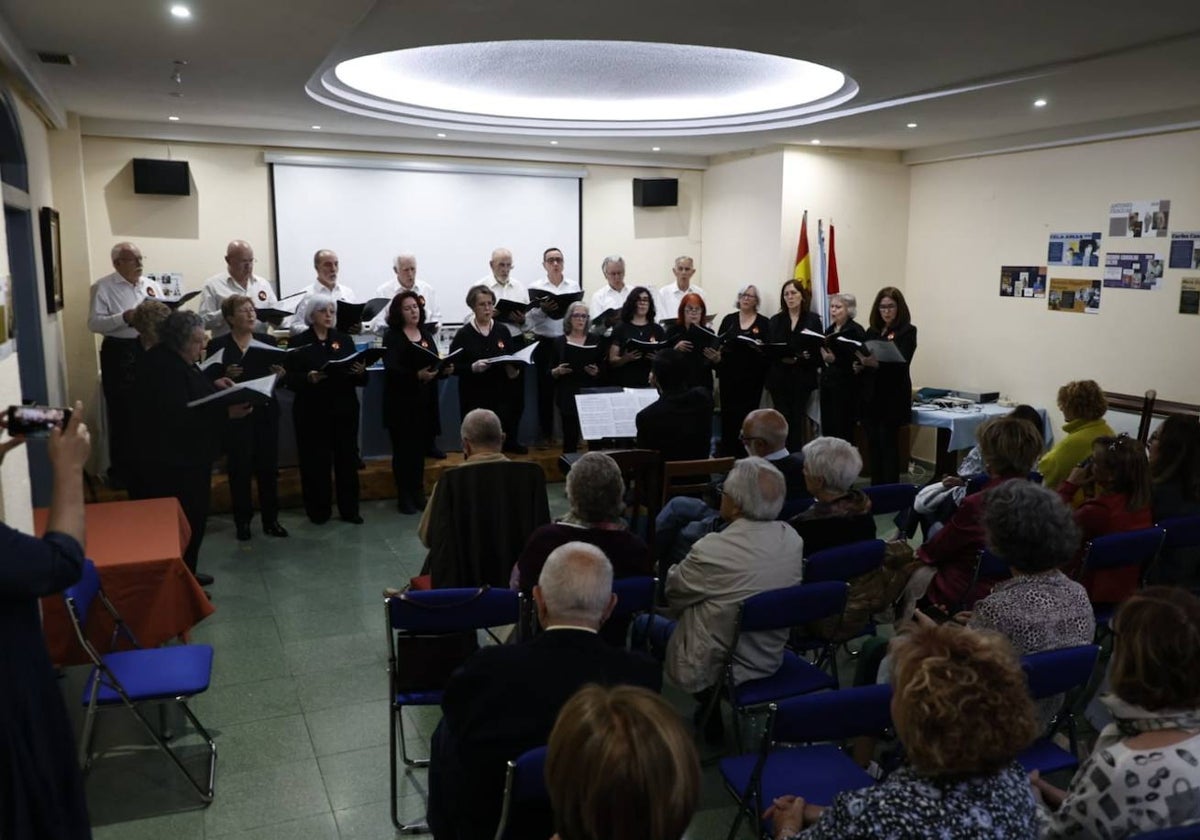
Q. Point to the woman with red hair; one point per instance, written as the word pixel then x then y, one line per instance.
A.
pixel 696 342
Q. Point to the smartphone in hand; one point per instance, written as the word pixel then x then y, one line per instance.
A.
pixel 36 421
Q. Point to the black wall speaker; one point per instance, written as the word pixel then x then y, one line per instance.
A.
pixel 655 192
pixel 161 177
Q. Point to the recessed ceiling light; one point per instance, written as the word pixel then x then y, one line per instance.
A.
pixel 1039 103
pixel 815 141
pixel 553 142
pixel 173 119
pixel 656 148
pixel 440 134
pixel 316 128
pixel 912 125
pixel 181 11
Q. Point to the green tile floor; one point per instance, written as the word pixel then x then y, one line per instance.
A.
pixel 298 703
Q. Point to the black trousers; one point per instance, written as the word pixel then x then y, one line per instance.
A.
pixel 190 484
pixel 252 451
pixel 327 443
pixel 839 413
pixel 118 358
pixel 544 360
pixel 792 403
pixel 883 443
pixel 737 401
pixel 408 462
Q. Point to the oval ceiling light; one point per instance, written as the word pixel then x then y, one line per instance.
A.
pixel 181 11
pixel 580 88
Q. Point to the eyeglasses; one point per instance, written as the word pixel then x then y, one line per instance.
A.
pixel 692 310
pixel 579 314
pixel 554 259
pixel 748 438
pixel 642 299
pixel 748 295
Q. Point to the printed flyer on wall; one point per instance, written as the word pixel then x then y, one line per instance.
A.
pixel 1189 296
pixel 1185 250
pixel 1023 281
pixel 1139 218
pixel 1074 296
pixel 1132 271
pixel 1080 249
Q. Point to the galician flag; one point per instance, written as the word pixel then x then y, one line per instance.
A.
pixel 802 273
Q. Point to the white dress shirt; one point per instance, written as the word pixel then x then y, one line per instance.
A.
pixel 538 321
pixel 340 291
pixel 220 286
pixel 513 290
pixel 433 313
pixel 669 296
pixel 607 298
pixel 111 295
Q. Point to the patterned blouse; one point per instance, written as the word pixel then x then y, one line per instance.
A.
pixel 1119 792
pixel 909 806
pixel 1037 612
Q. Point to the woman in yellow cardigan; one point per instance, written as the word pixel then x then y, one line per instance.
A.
pixel 1083 406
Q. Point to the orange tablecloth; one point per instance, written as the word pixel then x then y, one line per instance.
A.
pixel 138 549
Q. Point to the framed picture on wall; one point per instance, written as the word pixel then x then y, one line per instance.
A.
pixel 51 259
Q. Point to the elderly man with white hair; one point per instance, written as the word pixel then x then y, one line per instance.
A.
pixel 755 553
pixel 405 268
pixel 505 698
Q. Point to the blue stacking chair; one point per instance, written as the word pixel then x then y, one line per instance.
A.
pixel 524 787
pixel 817 771
pixel 1179 533
pixel 780 609
pixel 1051 673
pixel 841 563
pixel 635 596
pixel 1117 551
pixel 1181 832
pixel 988 566
pixel 891 498
pixel 133 678
pixel 795 507
pixel 432 613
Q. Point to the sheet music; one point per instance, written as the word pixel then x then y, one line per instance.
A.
pixel 610 415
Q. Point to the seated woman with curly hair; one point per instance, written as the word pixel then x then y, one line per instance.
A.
pixel 961 708
pixel 1083 406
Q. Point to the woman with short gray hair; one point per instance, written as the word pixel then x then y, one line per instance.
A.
pixel 839 515
pixel 576 365
pixel 839 382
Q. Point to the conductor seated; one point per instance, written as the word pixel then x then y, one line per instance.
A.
pixel 505 698
pixel 482 512
pixel 679 423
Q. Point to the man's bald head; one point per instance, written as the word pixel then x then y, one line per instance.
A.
pixel 326 264
pixel 764 432
pixel 575 587
pixel 481 432
pixel 239 260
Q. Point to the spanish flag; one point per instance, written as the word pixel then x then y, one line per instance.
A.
pixel 802 273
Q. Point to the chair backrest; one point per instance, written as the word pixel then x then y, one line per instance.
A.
pixel 698 474
pixel 891 498
pixel 792 606
pixel 80 595
pixel 832 715
pixel 1052 672
pixel 845 562
pixel 1128 548
pixel 1180 532
pixel 1142 406
pixel 795 507
pixel 524 783
pixel 634 595
pixel 642 471
pixel 450 610
pixel 992 566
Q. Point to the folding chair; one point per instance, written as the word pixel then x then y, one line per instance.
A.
pixel 434 613
pixel 1180 533
pixel 131 678
pixel 795 507
pixel 1118 551
pixel 642 471
pixel 891 498
pixel 524 787
pixel 1051 673
pixel 816 772
pixel 635 596
pixel 780 609
pixel 843 563
pixel 988 566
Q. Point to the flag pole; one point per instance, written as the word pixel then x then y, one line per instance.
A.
pixel 824 302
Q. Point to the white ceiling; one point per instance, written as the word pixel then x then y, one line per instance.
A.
pixel 966 71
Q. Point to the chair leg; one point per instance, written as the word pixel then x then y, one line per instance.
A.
pixel 212 745
pixel 411 762
pixel 89 728
pixel 396 726
pixel 206 795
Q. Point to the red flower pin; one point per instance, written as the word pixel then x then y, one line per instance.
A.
pixel 335 346
pixel 500 344
pixel 262 295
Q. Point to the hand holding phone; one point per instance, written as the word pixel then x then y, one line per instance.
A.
pixel 36 421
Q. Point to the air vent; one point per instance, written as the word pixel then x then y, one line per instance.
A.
pixel 56 58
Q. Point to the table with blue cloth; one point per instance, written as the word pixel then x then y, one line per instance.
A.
pixel 956 429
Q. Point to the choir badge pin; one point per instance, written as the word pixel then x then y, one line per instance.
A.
pixel 421 301
pixel 500 344
pixel 337 345
pixel 150 291
pixel 424 343
pixel 754 330
pixel 262 295
pixel 891 336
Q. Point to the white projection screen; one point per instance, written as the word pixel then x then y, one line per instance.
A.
pixel 451 220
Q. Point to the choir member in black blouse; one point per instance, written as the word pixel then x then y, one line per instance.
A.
pixel 410 396
pixel 839 383
pixel 742 368
pixel 481 384
pixel 631 368
pixel 791 381
pixel 570 378
pixel 698 360
pixel 887 386
pixel 326 413
pixel 251 443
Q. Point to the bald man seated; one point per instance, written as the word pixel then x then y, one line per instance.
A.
pixel 505 698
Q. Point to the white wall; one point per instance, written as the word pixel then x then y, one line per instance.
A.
pixel 969 217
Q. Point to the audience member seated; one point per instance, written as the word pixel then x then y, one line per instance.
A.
pixel 1143 774
pixel 595 493
pixel 754 554
pixel 679 423
pixel 1009 447
pixel 481 513
pixel 1083 406
pixel 962 711
pixel 1040 608
pixel 505 698
pixel 840 515
pixel 621 766
pixel 685 519
pixel 1116 489
pixel 1175 491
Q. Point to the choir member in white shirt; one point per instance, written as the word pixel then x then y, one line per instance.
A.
pixel 611 296
pixel 405 267
pixel 326 285
pixel 671 294
pixel 238 278
pixel 546 322
pixel 114 297
pixel 506 287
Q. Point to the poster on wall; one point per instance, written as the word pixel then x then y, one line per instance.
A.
pixel 1078 249
pixel 1139 218
pixel 1023 281
pixel 1074 296
pixel 1132 271
pixel 1185 250
pixel 1189 296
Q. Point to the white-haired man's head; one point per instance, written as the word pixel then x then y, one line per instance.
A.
pixel 575 587
pixel 481 432
pixel 754 489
